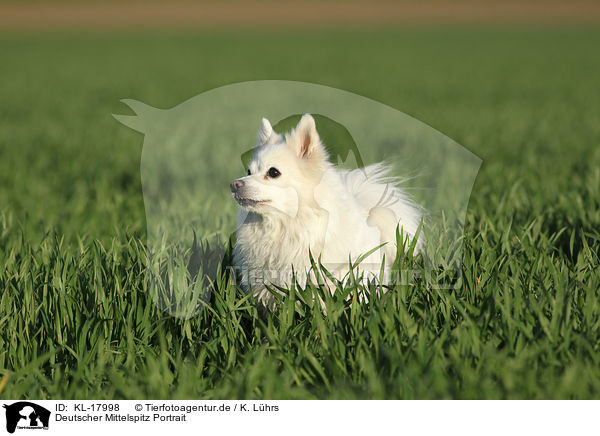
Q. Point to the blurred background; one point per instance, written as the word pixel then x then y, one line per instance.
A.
pixel 508 80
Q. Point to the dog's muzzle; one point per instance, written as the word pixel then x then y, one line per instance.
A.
pixel 241 194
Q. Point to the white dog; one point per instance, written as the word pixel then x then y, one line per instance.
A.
pixel 294 201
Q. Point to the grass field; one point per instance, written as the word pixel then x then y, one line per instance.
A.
pixel 75 318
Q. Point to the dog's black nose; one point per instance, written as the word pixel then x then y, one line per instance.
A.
pixel 236 184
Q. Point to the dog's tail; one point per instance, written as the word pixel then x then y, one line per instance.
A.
pixel 385 204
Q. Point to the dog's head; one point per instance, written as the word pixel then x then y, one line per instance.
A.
pixel 283 171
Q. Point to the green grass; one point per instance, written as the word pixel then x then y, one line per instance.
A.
pixel 76 320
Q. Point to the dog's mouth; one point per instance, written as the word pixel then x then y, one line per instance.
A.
pixel 246 202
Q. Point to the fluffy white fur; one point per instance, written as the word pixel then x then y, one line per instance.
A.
pixel 309 204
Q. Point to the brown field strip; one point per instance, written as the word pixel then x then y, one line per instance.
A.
pixel 238 14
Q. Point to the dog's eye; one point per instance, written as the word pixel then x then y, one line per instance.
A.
pixel 249 173
pixel 273 172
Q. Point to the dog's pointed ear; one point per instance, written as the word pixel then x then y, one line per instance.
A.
pixel 265 130
pixel 306 138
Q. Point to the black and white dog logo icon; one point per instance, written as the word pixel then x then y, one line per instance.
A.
pixel 26 415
